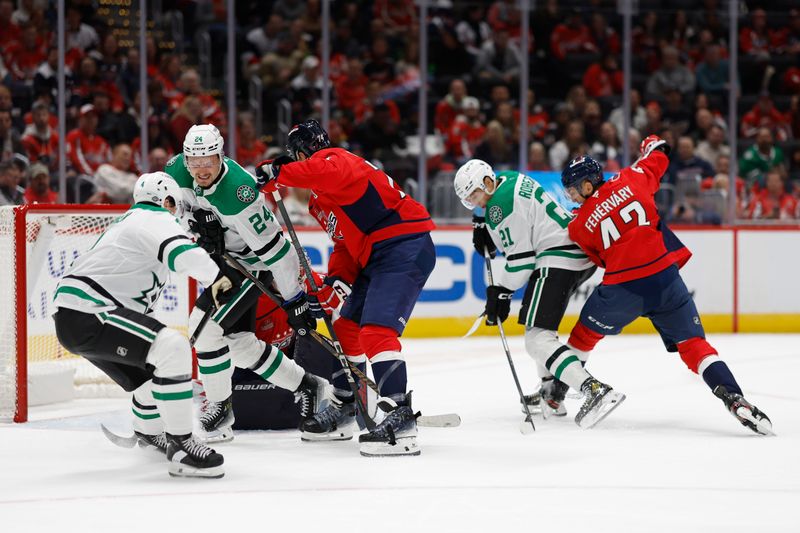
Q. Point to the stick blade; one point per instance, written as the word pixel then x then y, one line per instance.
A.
pixel 120 440
pixel 474 327
pixel 449 420
pixel 526 427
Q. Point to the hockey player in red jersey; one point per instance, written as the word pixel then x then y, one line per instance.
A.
pixel 618 226
pixel 382 245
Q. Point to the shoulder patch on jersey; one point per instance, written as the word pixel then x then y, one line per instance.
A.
pixel 172 160
pixel 501 204
pixel 495 214
pixel 245 194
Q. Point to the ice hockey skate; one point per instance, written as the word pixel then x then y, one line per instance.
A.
pixel 188 457
pixel 396 434
pixel 600 401
pixel 314 395
pixel 748 414
pixel 549 399
pixel 152 442
pixel 216 419
pixel 331 423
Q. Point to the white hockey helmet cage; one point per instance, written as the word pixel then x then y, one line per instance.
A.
pixel 203 140
pixel 155 187
pixel 470 177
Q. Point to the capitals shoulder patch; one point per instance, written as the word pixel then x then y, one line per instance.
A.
pixel 245 194
pixel 495 214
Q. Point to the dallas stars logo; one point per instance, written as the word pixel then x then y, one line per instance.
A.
pixel 496 214
pixel 245 194
pixel 150 295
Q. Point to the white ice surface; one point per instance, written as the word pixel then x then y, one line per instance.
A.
pixel 669 459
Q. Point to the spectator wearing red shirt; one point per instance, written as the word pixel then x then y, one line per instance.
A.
pixel 38 190
pixel 466 131
pixel 351 89
pixel 604 78
pixel 773 202
pixel 397 15
pixel 450 106
pixel 188 114
pixel 9 32
pixel 756 39
pixel 249 148
pixel 538 119
pixel 23 57
pixel 504 15
pixel 572 37
pixel 86 150
pixel 40 139
pixel 189 85
pixel 374 98
pixel 604 37
pixel 765 115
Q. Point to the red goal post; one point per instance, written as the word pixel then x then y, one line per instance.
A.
pixel 37 243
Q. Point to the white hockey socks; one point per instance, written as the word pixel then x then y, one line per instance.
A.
pixel 171 386
pixel 267 361
pixel 146 418
pixel 560 360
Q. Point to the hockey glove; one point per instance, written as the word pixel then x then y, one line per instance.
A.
pixel 481 239
pixel 209 230
pixel 222 290
pixel 498 304
pixel 267 171
pixel 329 298
pixel 299 315
pixel 651 143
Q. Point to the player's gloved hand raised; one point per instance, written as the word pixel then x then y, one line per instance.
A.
pixel 498 304
pixel 209 230
pixel 481 239
pixel 653 142
pixel 299 314
pixel 267 171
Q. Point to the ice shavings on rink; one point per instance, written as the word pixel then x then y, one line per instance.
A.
pixel 669 459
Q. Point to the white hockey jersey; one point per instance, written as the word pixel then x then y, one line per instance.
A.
pixel 531 230
pixel 253 234
pixel 130 263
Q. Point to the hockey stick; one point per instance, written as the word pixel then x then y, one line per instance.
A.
pixel 120 440
pixel 301 256
pixel 528 416
pixel 443 420
pixel 474 327
pixel 203 321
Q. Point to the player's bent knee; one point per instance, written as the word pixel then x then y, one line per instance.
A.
pixel 170 354
pixel 582 338
pixel 211 338
pixel 694 350
pixel 540 343
pixel 378 339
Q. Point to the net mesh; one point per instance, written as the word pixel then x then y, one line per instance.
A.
pixel 53 241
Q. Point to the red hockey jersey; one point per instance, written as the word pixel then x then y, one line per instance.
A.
pixel 360 205
pixel 619 227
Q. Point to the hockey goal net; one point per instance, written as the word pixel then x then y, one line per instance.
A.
pixel 37 244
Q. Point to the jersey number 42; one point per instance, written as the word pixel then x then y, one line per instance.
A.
pixel 609 230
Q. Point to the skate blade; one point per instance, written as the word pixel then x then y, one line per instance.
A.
pixel 762 426
pixel 343 433
pixel 181 470
pixel 610 401
pixel 216 437
pixel 404 446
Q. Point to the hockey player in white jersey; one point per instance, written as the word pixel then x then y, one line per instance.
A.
pixel 104 301
pixel 531 229
pixel 231 215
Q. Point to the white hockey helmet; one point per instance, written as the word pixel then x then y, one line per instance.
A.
pixel 470 177
pixel 155 187
pixel 203 140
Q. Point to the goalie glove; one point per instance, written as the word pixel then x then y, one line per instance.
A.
pixel 498 304
pixel 651 143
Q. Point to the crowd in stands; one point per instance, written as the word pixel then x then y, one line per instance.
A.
pixel 680 90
